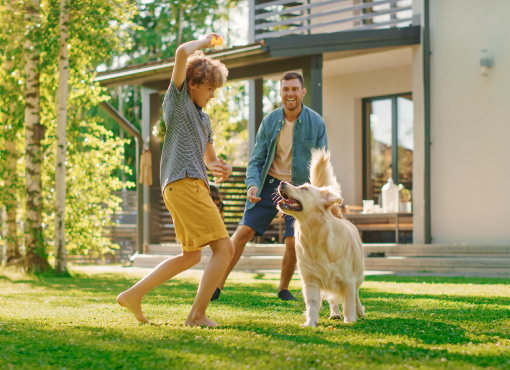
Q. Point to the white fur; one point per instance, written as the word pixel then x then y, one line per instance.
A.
pixel 328 247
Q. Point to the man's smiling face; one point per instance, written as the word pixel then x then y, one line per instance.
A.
pixel 292 94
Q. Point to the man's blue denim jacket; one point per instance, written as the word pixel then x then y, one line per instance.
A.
pixel 309 132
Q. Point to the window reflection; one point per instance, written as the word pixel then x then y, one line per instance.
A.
pixel 380 146
pixel 389 143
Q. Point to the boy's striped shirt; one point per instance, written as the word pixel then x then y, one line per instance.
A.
pixel 188 130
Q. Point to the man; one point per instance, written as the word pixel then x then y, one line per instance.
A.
pixel 282 152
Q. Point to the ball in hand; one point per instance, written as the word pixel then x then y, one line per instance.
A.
pixel 217 40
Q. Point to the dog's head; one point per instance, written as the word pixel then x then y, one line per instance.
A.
pixel 306 199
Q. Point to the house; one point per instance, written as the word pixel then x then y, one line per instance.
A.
pixel 413 89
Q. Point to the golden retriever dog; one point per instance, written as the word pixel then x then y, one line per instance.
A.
pixel 328 247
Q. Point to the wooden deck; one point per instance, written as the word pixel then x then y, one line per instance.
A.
pixel 476 259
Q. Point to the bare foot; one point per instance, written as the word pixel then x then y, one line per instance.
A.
pixel 203 321
pixel 133 304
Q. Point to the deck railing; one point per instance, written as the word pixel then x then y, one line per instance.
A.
pixel 276 18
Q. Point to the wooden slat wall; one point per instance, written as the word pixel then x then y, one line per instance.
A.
pixel 123 232
pixel 233 192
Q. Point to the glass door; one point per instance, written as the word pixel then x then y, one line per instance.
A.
pixel 388 140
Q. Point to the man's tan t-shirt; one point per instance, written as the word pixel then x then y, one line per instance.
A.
pixel 281 168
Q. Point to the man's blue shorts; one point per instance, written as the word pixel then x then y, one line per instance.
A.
pixel 260 216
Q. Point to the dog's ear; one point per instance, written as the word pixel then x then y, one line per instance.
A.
pixel 330 197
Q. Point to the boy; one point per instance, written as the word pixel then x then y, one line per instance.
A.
pixel 184 183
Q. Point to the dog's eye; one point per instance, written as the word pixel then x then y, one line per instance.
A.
pixel 304 189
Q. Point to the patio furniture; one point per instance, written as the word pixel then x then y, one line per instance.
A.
pixel 396 222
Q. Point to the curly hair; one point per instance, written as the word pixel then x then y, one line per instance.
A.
pixel 202 69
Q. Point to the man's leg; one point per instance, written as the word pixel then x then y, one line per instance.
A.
pixel 288 267
pixel 258 218
pixel 242 236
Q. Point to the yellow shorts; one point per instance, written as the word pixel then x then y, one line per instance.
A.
pixel 197 221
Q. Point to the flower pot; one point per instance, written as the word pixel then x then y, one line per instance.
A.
pixel 405 207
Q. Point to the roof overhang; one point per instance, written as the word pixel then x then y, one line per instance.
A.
pixel 268 57
pixel 294 45
pixel 148 73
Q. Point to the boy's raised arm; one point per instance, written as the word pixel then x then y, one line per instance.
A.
pixel 182 54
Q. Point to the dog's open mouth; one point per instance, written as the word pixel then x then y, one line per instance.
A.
pixel 289 203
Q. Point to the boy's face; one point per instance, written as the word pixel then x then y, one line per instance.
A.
pixel 292 93
pixel 201 93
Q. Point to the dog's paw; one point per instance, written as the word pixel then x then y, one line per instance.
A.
pixel 335 317
pixel 361 312
pixel 348 320
pixel 310 323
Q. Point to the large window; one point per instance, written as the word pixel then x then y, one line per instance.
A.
pixel 388 143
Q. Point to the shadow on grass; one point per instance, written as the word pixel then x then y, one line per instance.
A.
pixel 34 345
pixel 88 347
pixel 422 330
pixel 477 309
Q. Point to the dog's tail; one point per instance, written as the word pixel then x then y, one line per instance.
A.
pixel 321 170
pixel 322 174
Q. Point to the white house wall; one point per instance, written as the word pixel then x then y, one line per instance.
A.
pixel 342 94
pixel 470 123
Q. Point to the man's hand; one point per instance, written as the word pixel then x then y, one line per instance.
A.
pixel 220 169
pixel 252 194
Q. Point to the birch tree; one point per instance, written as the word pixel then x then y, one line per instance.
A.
pixel 11 122
pixel 11 199
pixel 36 257
pixel 95 32
pixel 60 168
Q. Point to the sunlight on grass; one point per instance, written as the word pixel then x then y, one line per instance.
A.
pixel 411 322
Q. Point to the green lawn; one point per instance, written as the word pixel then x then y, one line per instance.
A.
pixel 411 322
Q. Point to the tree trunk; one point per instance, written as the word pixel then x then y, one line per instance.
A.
pixel 4 235
pixel 36 258
pixel 10 195
pixel 181 19
pixel 60 168
pixel 11 201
